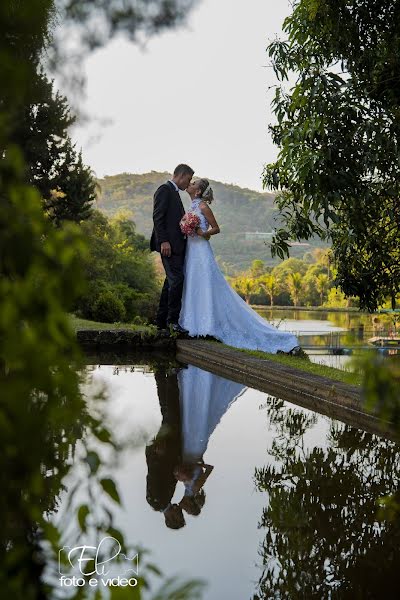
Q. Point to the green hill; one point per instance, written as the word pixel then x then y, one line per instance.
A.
pixel 242 214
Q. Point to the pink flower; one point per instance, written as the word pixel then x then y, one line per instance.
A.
pixel 189 223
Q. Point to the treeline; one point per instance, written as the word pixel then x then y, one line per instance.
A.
pixel 294 282
pixel 118 282
pixel 121 282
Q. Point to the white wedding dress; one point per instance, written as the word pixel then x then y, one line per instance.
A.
pixel 204 399
pixel 210 306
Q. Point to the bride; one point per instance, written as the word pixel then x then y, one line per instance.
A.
pixel 210 306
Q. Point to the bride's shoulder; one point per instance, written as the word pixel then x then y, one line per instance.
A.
pixel 205 207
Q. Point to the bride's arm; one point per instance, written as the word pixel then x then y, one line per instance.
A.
pixel 209 215
pixel 203 478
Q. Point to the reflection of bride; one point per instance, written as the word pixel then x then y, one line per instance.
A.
pixel 192 404
pixel 204 399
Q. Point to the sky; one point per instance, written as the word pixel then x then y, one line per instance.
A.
pixel 196 94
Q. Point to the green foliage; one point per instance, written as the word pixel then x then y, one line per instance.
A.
pixel 322 285
pixel 338 131
pixel 96 21
pixel 76 190
pixel 336 298
pixel 108 308
pixel 42 411
pixel 381 387
pixel 270 284
pixel 295 287
pixel 39 127
pixel 306 365
pixel 246 287
pixel 293 281
pixel 120 273
pixel 257 268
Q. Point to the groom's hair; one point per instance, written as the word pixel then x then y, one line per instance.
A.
pixel 183 169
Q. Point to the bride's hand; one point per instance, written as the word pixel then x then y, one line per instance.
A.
pixel 203 234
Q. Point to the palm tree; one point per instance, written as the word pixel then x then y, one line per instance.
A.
pixel 245 287
pixel 294 282
pixel 322 285
pixel 270 285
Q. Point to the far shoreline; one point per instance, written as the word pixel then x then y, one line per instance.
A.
pixel 350 309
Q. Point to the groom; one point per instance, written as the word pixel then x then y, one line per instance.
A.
pixel 169 241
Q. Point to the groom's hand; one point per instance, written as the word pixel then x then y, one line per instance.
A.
pixel 165 249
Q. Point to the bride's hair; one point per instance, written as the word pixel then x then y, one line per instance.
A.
pixel 206 192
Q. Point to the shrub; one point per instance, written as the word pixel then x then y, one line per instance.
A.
pixel 108 308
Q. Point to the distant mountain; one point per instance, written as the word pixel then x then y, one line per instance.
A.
pixel 243 215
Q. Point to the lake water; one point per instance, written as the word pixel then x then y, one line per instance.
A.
pixel 318 330
pixel 284 505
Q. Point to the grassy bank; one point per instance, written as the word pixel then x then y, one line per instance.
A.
pixel 291 361
pixel 305 365
pixel 77 323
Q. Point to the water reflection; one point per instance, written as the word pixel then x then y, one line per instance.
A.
pixel 255 480
pixel 322 536
pixel 192 403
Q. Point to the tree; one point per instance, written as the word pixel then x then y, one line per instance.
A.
pixel 257 268
pixel 291 265
pixel 269 283
pixel 245 286
pixel 123 222
pixel 336 299
pixel 116 267
pixel 41 405
pixel 53 166
pixel 309 283
pixel 338 129
pixel 322 286
pixel 294 284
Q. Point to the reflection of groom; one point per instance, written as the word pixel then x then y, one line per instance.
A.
pixel 165 452
pixel 169 241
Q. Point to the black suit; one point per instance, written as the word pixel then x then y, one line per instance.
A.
pixel 165 453
pixel 167 213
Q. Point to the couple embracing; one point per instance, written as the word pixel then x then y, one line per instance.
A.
pixel 196 299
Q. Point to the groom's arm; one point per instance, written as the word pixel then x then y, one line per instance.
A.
pixel 160 208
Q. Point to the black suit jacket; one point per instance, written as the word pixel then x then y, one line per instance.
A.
pixel 167 212
pixel 165 453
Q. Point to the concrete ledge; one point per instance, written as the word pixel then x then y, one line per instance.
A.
pixel 103 339
pixel 325 396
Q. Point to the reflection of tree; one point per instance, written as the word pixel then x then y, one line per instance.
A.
pixel 322 538
pixel 33 464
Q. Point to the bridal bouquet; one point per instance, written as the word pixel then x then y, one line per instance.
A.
pixel 189 223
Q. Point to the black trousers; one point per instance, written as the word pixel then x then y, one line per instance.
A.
pixel 171 295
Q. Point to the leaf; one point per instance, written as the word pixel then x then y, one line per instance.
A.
pixel 83 512
pixel 93 460
pixel 110 488
pixel 103 435
pixel 125 593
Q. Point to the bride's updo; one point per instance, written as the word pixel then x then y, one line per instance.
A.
pixel 206 192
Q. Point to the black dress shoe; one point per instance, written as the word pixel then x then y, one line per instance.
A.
pixel 176 328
